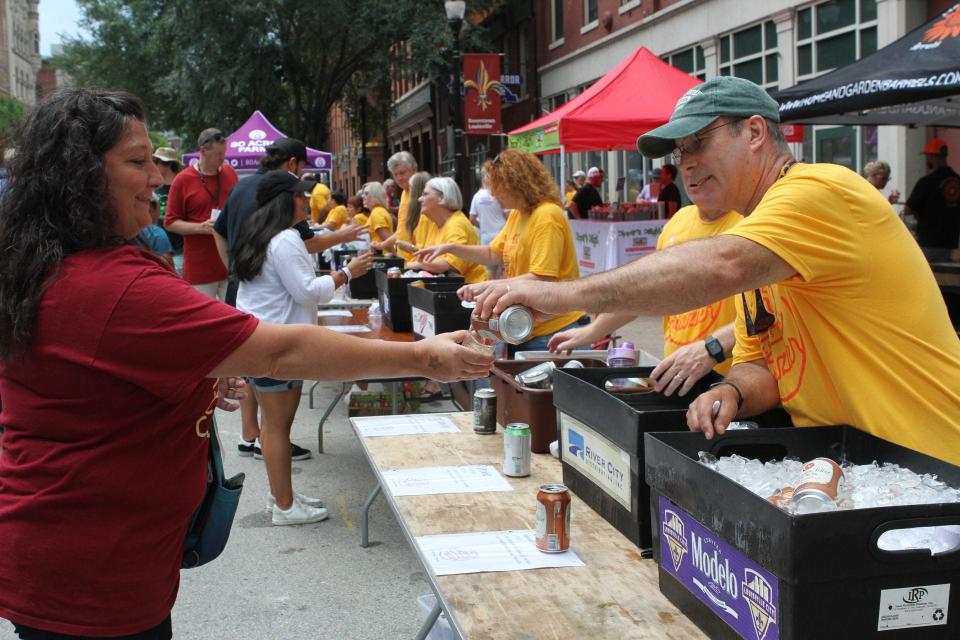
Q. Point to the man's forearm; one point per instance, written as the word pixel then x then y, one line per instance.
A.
pixel 758 386
pixel 185 228
pixel 678 279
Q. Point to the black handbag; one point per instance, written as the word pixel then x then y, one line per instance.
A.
pixel 211 523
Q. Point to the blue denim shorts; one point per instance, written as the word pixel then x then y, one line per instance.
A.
pixel 271 385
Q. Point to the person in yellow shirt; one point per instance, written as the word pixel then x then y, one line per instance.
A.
pixel 695 342
pixel 357 212
pixel 840 318
pixel 570 192
pixel 338 215
pixel 536 244
pixel 319 202
pixel 441 202
pixel 380 220
pixel 416 228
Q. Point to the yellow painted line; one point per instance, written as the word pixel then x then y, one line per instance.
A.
pixel 345 512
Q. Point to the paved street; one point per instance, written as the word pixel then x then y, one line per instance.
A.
pixel 313 581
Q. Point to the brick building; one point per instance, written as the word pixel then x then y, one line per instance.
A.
pixel 776 44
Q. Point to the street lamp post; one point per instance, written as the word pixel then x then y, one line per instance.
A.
pixel 455 11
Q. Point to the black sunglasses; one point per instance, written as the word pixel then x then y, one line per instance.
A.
pixel 763 319
pixel 213 137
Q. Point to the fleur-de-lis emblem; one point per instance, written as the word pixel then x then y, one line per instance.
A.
pixel 483 84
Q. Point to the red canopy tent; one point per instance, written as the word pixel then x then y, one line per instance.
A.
pixel 636 96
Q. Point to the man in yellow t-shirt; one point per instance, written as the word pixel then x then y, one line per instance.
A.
pixel 695 342
pixel 844 322
pixel 319 202
pixel 401 165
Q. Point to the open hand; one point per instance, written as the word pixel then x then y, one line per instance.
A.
pixel 361 264
pixel 432 253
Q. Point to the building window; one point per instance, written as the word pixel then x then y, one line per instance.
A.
pixel 590 14
pixel 556 25
pixel 751 53
pixel 690 60
pixel 834 34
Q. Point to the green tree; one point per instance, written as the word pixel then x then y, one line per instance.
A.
pixel 11 111
pixel 211 63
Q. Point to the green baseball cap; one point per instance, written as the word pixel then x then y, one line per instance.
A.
pixel 704 103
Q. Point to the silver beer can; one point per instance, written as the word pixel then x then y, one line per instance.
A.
pixel 516 450
pixel 484 411
pixel 537 377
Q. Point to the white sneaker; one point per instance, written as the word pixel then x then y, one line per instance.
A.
pixel 298 513
pixel 307 500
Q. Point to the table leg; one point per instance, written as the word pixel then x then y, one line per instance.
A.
pixel 427 625
pixel 344 388
pixel 312 388
pixel 393 399
pixel 365 517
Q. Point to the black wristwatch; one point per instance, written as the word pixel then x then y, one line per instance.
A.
pixel 714 348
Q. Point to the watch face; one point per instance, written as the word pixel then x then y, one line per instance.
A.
pixel 715 349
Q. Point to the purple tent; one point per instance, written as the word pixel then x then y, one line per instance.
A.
pixel 249 142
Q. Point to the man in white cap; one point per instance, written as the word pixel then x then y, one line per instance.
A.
pixel 579 177
pixel 842 306
pixel 588 196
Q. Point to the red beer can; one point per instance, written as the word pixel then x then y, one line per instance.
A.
pixel 553 518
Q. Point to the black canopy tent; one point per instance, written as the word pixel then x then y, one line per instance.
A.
pixel 913 81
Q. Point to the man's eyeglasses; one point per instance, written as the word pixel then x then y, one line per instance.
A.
pixel 762 320
pixel 216 136
pixel 695 145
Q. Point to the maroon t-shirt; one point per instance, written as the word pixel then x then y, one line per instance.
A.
pixel 192 197
pixel 105 443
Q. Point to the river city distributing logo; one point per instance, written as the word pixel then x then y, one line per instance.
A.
pixel 759 596
pixel 576 443
pixel 675 533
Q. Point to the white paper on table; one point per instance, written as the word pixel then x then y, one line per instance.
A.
pixel 333 313
pixel 424 481
pixel 486 551
pixel 404 425
pixel 349 328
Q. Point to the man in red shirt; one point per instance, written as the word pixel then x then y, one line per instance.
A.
pixel 196 198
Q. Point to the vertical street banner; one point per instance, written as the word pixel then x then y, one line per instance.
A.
pixel 481 93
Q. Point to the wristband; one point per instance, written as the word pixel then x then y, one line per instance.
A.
pixel 735 388
pixel 346 272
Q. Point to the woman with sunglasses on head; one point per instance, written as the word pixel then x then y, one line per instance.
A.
pixel 111 367
pixel 535 244
pixel 278 284
pixel 380 220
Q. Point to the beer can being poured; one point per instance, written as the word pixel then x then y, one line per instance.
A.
pixel 514 325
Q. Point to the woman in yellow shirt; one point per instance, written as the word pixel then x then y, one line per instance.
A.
pixel 413 232
pixel 536 243
pixel 380 221
pixel 356 210
pixel 338 216
pixel 441 203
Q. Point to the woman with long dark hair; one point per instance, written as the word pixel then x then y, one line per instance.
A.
pixel 278 284
pixel 111 368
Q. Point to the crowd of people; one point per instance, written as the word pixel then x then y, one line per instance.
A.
pixel 797 282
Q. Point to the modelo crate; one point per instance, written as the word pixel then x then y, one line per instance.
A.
pixel 517 403
pixel 435 308
pixel 394 301
pixel 601 440
pixel 365 286
pixel 740 567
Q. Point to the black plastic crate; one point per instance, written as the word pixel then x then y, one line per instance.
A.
pixel 341 257
pixel 791 577
pixel 612 427
pixel 365 286
pixel 394 301
pixel 435 308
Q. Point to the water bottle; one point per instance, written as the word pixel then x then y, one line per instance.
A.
pixel 623 356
